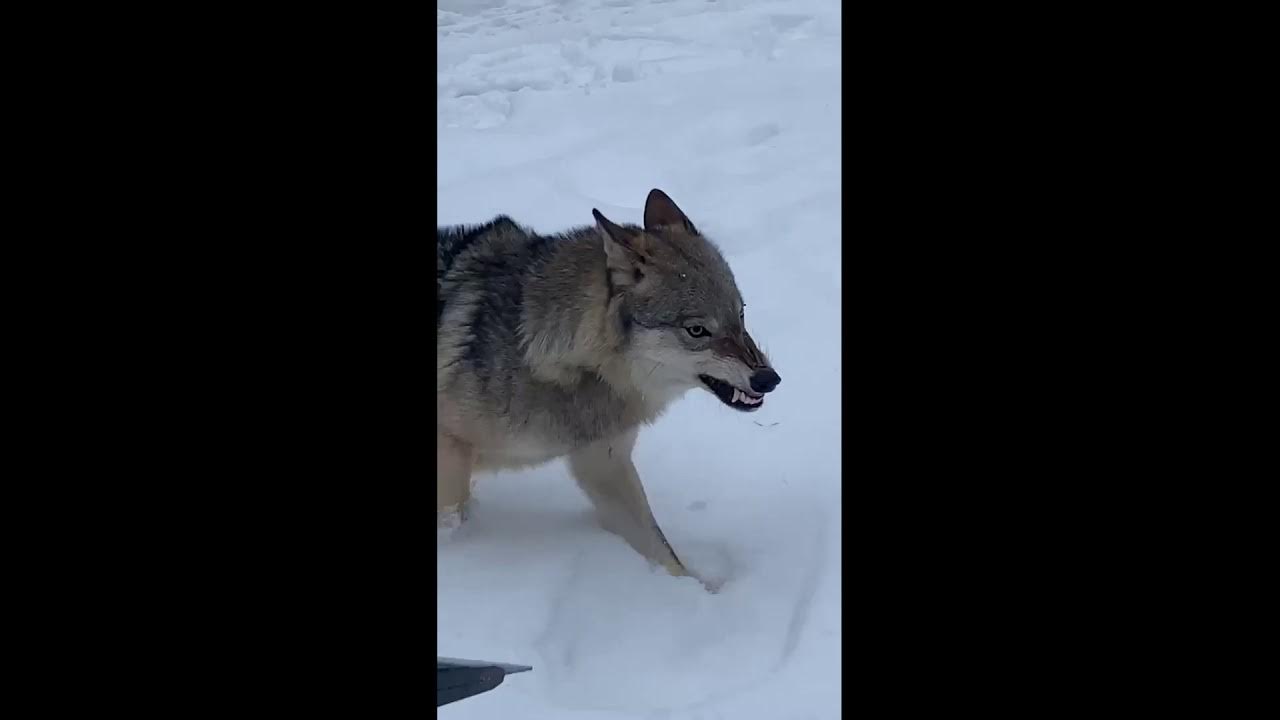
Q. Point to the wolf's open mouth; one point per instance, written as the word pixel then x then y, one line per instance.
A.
pixel 744 400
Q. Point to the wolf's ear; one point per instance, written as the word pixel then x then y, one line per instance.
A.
pixel 660 211
pixel 624 250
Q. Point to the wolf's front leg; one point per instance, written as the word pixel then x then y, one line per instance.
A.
pixel 606 474
pixel 453 480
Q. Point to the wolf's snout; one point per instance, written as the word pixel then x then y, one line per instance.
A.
pixel 765 380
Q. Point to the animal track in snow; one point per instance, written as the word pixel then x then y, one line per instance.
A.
pixel 762 133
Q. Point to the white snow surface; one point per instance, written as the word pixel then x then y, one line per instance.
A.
pixel 546 110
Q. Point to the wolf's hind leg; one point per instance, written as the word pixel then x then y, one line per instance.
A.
pixel 453 480
pixel 606 474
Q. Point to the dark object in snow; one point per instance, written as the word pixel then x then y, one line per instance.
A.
pixel 458 679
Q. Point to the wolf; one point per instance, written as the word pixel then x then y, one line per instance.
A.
pixel 565 345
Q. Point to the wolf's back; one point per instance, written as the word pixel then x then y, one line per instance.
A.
pixel 448 241
pixel 455 243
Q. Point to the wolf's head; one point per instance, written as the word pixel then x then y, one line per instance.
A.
pixel 676 297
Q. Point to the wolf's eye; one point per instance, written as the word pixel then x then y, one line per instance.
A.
pixel 697 331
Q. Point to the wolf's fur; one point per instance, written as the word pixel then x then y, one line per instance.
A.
pixel 564 345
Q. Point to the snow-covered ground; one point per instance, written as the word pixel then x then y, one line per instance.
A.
pixel 546 110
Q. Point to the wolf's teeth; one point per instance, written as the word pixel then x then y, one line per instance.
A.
pixel 753 401
pixel 737 395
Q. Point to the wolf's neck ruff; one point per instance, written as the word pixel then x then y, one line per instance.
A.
pixel 572 318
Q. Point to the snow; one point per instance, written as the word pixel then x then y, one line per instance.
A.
pixel 546 110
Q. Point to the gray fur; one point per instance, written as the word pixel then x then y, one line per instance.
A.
pixel 564 345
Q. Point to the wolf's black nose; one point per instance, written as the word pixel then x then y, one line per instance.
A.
pixel 765 380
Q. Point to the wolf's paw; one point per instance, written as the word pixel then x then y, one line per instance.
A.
pixel 676 569
pixel 708 563
pixel 712 585
pixel 449 520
